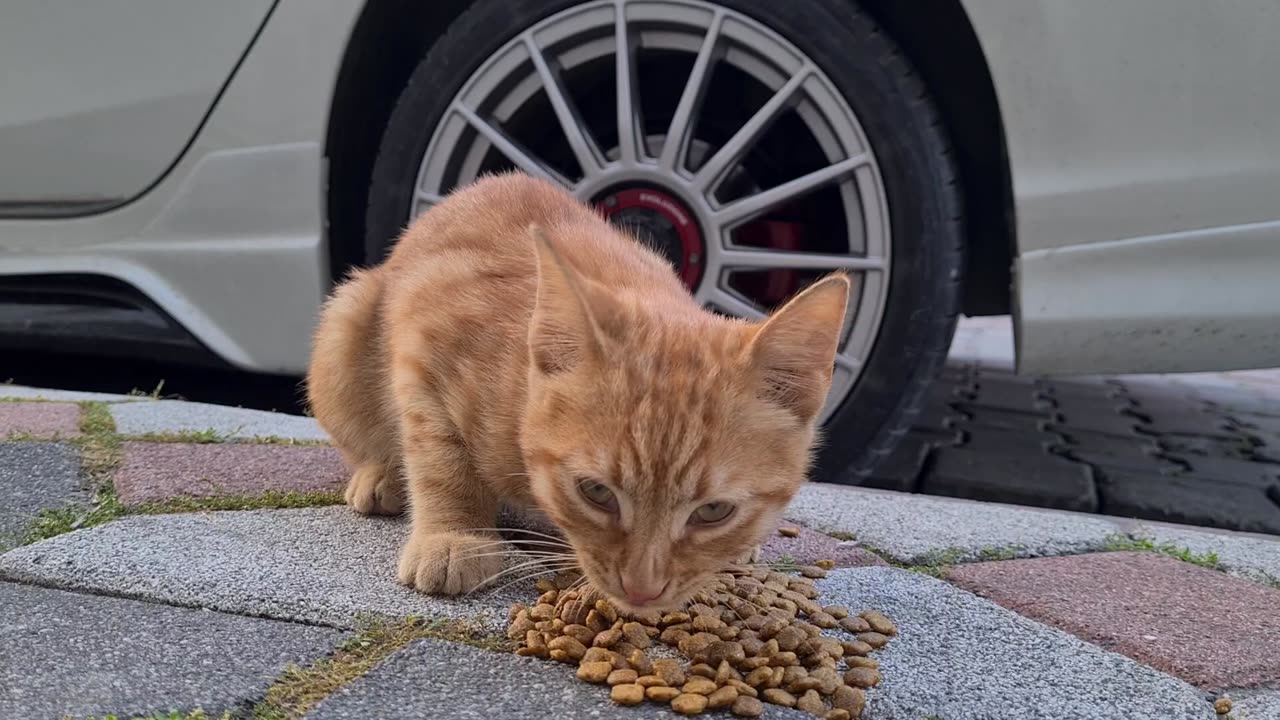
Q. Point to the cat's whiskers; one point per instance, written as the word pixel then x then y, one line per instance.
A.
pixel 550 564
pixel 549 557
pixel 528 576
pixel 526 531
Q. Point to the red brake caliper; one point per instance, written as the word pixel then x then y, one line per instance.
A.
pixel 772 287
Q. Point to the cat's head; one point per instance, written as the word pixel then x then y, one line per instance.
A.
pixel 666 443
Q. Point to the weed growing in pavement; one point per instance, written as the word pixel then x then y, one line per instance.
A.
pixel 1121 543
pixel 845 536
pixel 100 455
pixel 299 689
pixel 785 564
pixel 271 499
pixel 207 436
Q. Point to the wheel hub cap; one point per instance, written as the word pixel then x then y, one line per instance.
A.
pixel 662 222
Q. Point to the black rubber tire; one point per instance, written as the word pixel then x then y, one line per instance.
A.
pixel 906 134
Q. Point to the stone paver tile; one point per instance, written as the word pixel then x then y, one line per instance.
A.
pixel 1136 445
pixel 152 472
pixel 1251 556
pixel 66 654
pixel 959 656
pixel 34 475
pixel 1132 462
pixel 1039 478
pixel 9 392
pixel 1210 629
pixel 915 528
pixel 810 546
pixel 1255 705
pixel 901 470
pixel 175 416
pixel 1232 470
pixel 1008 420
pixel 437 679
pixel 1183 445
pixel 42 420
pixel 1188 499
pixel 1001 441
pixel 1016 396
pixel 318 565
pixel 1118 424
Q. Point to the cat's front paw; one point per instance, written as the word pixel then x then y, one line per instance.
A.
pixel 450 563
pixel 371 491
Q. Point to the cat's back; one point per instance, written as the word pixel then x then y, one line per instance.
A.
pixel 482 232
pixel 487 224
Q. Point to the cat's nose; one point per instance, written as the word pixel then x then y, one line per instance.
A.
pixel 639 592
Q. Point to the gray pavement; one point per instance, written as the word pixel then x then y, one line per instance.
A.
pixel 66 654
pixel 1196 448
pixel 1256 705
pixel 435 679
pixel 960 657
pixel 1256 557
pixel 21 392
pixel 174 416
pixel 321 565
pixel 34 475
pixel 919 528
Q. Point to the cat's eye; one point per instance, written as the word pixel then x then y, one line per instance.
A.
pixel 597 494
pixel 712 513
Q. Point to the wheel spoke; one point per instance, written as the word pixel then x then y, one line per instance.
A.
pixel 708 176
pixel 743 259
pixel 628 110
pixel 756 205
pixel 732 304
pixel 575 132
pixel 429 198
pixel 676 143
pixel 507 146
pixel 848 364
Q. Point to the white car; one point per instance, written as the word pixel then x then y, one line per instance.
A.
pixel 186 177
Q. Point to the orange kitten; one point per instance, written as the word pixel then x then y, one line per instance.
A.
pixel 515 347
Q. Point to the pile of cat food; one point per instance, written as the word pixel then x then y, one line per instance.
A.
pixel 754 637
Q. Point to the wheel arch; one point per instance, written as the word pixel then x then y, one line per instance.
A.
pixel 943 46
pixel 388 41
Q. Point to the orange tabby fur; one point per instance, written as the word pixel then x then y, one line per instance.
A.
pixel 515 343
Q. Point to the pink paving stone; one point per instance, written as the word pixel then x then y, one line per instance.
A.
pixel 39 419
pixel 1210 629
pixel 152 472
pixel 810 546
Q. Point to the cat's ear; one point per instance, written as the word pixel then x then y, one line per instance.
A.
pixel 563 333
pixel 794 350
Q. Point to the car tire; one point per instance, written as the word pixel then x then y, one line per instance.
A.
pixel 904 130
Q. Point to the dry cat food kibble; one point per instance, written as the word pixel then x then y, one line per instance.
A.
pixel 756 636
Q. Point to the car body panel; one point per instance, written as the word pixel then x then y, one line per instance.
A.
pixel 230 243
pixel 1144 145
pixel 100 98
pixel 1143 137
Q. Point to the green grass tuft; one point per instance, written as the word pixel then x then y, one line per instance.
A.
pixel 845 536
pixel 1123 543
pixel 785 564
pixel 100 455
pixel 299 689
pixel 208 436
pixel 269 500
